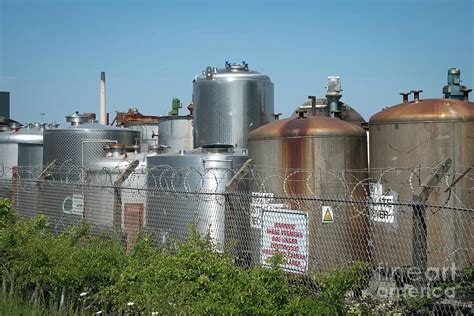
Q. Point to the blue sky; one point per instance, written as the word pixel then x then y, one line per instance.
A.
pixel 52 52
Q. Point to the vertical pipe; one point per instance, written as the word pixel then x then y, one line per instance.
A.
pixel 103 112
pixel 313 104
pixel 405 96
pixel 416 95
pixel 466 94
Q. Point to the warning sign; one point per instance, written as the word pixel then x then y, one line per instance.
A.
pixel 327 214
pixel 286 232
pixel 260 201
pixel 383 209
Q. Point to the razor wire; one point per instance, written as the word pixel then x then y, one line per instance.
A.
pixel 259 211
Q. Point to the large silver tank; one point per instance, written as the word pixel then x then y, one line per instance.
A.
pixel 414 137
pixel 310 157
pixel 74 148
pixel 81 143
pixel 188 187
pixel 176 132
pixel 230 102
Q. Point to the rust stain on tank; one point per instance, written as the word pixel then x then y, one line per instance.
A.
pixel 312 126
pixel 294 157
pixel 133 116
pixel 427 110
pixel 295 136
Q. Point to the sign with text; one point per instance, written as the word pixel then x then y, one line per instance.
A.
pixel 260 201
pixel 383 210
pixel 286 232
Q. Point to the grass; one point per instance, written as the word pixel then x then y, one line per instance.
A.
pixel 14 305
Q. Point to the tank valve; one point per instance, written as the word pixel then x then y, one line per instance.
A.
pixel 405 96
pixel 466 94
pixel 416 95
pixel 276 116
pixel 301 113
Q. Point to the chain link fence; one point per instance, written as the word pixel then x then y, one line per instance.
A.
pixel 412 227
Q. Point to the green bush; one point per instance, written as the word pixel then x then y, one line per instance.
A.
pixel 75 271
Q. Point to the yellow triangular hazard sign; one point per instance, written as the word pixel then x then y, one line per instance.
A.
pixel 327 216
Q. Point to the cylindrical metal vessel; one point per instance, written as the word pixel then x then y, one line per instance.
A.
pixel 301 161
pixel 188 187
pixel 111 205
pixel 80 145
pixel 74 148
pixel 21 160
pixel 230 102
pixel 417 136
pixel 21 147
pixel 176 132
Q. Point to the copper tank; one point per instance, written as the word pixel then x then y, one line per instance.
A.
pixel 316 157
pixel 418 135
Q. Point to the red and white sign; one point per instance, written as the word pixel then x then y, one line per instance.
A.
pixel 286 232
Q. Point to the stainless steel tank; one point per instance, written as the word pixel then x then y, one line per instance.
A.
pixel 113 205
pixel 188 187
pixel 230 102
pixel 74 148
pixel 414 137
pixel 176 132
pixel 81 143
pixel 21 160
pixel 307 158
pixel 21 147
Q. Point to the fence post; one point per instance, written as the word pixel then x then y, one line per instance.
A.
pixel 117 208
pixel 236 229
pixel 14 185
pixel 46 173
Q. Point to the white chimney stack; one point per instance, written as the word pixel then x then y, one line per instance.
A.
pixel 103 111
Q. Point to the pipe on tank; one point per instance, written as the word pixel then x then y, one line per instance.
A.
pixel 416 95
pixel 466 94
pixel 276 116
pixel 313 104
pixel 405 96
pixel 103 112
pixel 301 113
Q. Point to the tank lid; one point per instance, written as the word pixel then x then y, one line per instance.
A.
pixel 426 110
pixel 91 126
pixel 23 136
pixel 311 126
pixel 237 66
pixel 231 71
pixel 76 118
